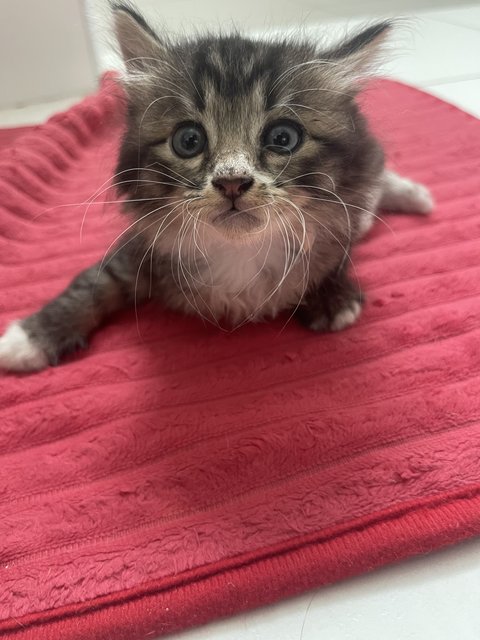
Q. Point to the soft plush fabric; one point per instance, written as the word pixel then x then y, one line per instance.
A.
pixel 174 473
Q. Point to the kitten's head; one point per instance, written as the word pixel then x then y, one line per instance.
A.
pixel 239 137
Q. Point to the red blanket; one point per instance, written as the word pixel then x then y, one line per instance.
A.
pixel 173 473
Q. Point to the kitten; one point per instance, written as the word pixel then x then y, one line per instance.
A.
pixel 249 172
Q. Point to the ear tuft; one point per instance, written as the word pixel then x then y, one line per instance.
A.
pixel 138 42
pixel 367 40
pixel 358 55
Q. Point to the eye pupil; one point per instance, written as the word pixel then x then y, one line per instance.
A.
pixel 189 140
pixel 283 137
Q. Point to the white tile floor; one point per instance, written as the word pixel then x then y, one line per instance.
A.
pixel 431 598
pixel 436 596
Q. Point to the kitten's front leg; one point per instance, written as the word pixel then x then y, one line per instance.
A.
pixel 334 305
pixel 64 324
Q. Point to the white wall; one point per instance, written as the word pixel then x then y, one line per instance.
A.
pixel 45 51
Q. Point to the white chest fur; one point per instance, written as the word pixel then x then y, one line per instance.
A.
pixel 245 281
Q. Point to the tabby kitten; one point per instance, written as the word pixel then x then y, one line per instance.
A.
pixel 249 173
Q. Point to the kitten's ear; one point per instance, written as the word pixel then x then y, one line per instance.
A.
pixel 139 44
pixel 358 55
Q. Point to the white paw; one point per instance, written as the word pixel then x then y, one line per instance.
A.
pixel 419 198
pixel 346 317
pixel 402 194
pixel 19 353
pixel 343 319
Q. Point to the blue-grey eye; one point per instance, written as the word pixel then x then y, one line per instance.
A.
pixel 189 140
pixel 282 137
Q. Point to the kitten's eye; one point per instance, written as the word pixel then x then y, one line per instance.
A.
pixel 282 137
pixel 189 140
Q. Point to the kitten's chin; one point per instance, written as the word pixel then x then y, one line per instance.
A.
pixel 237 224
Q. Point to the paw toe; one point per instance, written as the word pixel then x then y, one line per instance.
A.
pixel 346 317
pixel 321 323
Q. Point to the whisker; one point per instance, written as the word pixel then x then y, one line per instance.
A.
pixel 173 68
pixel 349 204
pixel 191 80
pixel 117 184
pixel 172 171
pixel 310 173
pixel 116 175
pixel 135 222
pixel 301 65
pixel 101 202
pixel 349 222
pixel 305 267
pixel 290 106
pixel 182 98
pixel 180 266
pixel 345 251
pixel 160 230
pixel 260 269
pixel 289 262
pixel 151 249
pixel 195 220
pixel 197 246
pixel 284 168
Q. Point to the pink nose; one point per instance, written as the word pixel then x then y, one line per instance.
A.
pixel 232 187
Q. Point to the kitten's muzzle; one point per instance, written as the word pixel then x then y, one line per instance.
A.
pixel 233 188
